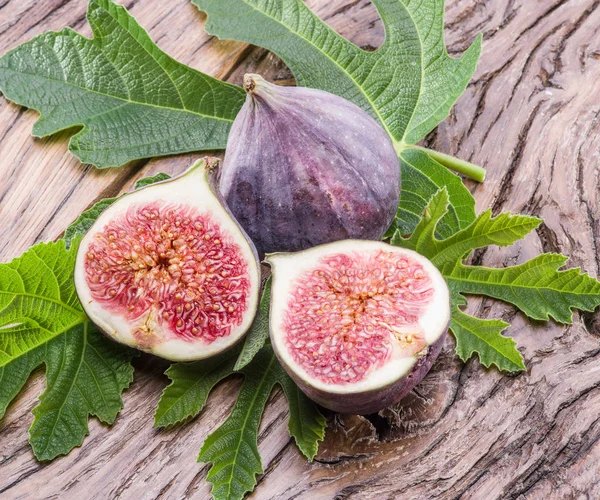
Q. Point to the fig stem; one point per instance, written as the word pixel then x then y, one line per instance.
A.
pixel 461 166
pixel 249 82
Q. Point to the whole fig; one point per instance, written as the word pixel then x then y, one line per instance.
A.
pixel 305 167
pixel 357 324
pixel 168 270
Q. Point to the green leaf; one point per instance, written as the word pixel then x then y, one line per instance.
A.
pixel 422 177
pixel 41 321
pixel 147 181
pixel 86 374
pixel 132 100
pixel 307 424
pixel 483 336
pixel 409 84
pixel 14 374
pixel 87 218
pixel 444 78
pixel 232 448
pixel 536 287
pixel 503 230
pixel 259 331
pixel 37 300
pixel 190 386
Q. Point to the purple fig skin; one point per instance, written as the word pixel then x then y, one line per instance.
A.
pixel 367 402
pixel 214 170
pixel 305 167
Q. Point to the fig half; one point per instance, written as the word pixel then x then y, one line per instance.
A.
pixel 168 270
pixel 305 167
pixel 357 324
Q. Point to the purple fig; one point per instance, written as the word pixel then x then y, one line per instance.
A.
pixel 305 167
pixel 357 324
pixel 168 270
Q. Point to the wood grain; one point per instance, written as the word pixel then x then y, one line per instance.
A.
pixel 531 117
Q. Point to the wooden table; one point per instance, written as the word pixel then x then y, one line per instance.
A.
pixel 531 116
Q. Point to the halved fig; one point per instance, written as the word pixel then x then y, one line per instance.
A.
pixel 168 270
pixel 357 324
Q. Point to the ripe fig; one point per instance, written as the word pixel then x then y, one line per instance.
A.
pixel 305 167
pixel 357 324
pixel 168 270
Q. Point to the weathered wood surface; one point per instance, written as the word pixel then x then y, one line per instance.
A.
pixel 531 117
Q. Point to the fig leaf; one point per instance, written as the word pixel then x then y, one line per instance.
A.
pixel 422 177
pixel 484 336
pixel 409 84
pixel 538 287
pixel 190 386
pixel 42 322
pixel 86 220
pixel 232 447
pixel 156 108
pixel 147 181
pixel 503 230
pixel 259 332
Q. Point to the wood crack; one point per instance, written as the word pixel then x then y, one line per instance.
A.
pixel 506 185
pixel 543 16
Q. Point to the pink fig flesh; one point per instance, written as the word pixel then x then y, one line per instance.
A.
pixel 357 324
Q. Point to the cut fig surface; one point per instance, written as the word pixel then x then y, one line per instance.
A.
pixel 357 324
pixel 168 270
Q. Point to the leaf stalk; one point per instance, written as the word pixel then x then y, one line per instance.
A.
pixel 463 167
